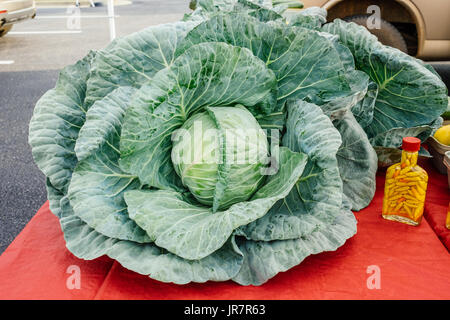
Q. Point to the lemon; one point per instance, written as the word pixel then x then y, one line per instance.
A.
pixel 443 135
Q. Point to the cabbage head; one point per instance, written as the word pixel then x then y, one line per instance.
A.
pixel 220 155
pixel 230 145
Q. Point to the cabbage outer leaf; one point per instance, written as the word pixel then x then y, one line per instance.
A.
pixel 409 94
pixel 54 197
pixel 311 18
pixel 192 231
pixel 264 259
pixel 97 185
pixel 147 259
pixel 56 121
pixel 387 144
pixel 306 63
pixel 357 161
pixel 317 195
pixel 133 60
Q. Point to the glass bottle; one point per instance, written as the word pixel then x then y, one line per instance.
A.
pixel 405 186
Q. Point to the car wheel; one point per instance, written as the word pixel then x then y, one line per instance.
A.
pixel 387 34
pixel 5 30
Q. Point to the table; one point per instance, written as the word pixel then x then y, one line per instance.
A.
pixel 384 260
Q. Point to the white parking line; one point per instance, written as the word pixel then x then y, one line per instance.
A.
pixel 6 61
pixel 72 16
pixel 45 32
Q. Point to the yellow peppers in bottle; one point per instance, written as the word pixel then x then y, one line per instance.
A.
pixel 405 186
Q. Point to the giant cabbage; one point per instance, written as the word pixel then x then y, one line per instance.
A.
pixel 320 98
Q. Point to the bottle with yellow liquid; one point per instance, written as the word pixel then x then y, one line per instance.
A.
pixel 406 186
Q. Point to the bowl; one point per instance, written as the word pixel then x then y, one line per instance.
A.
pixel 447 165
pixel 438 150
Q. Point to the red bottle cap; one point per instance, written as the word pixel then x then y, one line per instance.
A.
pixel 411 144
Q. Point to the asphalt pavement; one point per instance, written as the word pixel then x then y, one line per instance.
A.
pixel 30 59
pixel 22 188
pixel 57 37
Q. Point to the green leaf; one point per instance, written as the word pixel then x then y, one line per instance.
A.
pixel 229 5
pixel 393 138
pixel 215 5
pixel 311 18
pixel 409 94
pixel 363 110
pixel 103 123
pixel 147 259
pixel 54 197
pixel 97 186
pixel 358 82
pixel 134 59
pixel 317 196
pixel 56 121
pixel 262 10
pixel 194 232
pixel 264 259
pixel 307 64
pixel 387 144
pixel 357 161
pixel 285 4
pixel 208 74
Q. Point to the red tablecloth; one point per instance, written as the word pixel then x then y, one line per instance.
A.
pixel 437 203
pixel 411 262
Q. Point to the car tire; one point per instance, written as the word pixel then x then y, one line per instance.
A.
pixel 5 30
pixel 387 34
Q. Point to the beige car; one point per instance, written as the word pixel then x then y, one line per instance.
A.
pixel 418 27
pixel 13 11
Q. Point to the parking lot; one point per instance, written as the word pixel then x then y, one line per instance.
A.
pixel 31 56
